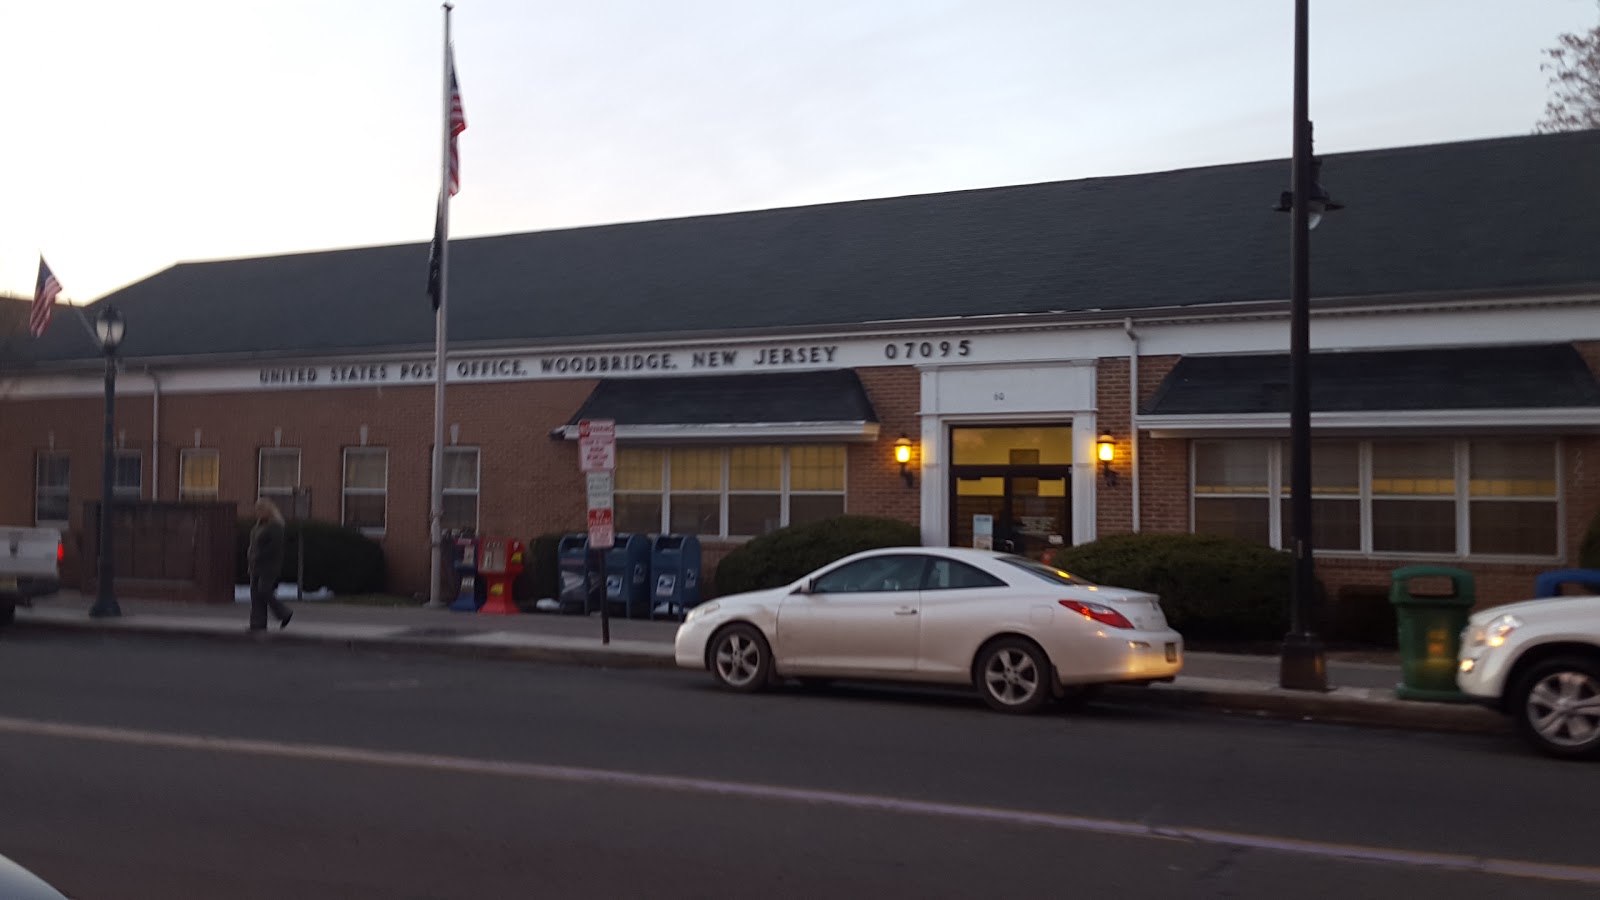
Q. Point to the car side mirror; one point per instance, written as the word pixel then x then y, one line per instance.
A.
pixel 809 586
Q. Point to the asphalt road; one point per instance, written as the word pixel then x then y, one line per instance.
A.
pixel 135 768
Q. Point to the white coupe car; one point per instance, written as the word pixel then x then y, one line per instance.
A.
pixel 1020 631
pixel 1539 662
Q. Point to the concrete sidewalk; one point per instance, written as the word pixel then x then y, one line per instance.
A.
pixel 1362 691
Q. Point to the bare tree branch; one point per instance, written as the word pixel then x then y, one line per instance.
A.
pixel 1574 64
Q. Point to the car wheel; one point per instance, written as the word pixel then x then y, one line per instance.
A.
pixel 740 659
pixel 1557 707
pixel 1014 676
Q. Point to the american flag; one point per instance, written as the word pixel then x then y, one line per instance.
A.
pixel 458 124
pixel 44 299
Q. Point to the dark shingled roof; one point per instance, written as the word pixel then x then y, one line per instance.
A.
pixel 1521 377
pixel 790 397
pixel 1509 214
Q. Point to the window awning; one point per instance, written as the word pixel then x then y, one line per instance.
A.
pixel 1544 388
pixel 788 406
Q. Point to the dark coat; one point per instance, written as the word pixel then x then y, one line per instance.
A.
pixel 266 550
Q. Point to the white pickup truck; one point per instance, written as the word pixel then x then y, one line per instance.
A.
pixel 30 566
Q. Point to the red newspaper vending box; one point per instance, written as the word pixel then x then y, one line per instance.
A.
pixel 499 562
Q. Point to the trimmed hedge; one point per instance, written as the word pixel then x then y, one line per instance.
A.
pixel 1211 587
pixel 338 558
pixel 785 555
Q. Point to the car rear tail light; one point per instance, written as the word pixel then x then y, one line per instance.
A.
pixel 1098 612
pixel 61 551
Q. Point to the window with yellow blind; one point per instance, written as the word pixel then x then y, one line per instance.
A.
pixel 695 493
pixel 1513 498
pixel 1490 497
pixel 816 484
pixel 1335 495
pixel 1231 490
pixel 729 492
pixel 199 474
pixel 755 490
pixel 1414 497
pixel 640 475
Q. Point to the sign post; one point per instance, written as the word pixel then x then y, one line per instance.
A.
pixel 300 511
pixel 597 458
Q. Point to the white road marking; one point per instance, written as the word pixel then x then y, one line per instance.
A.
pixel 1509 868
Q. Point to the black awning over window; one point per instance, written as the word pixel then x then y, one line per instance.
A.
pixel 789 398
pixel 1519 377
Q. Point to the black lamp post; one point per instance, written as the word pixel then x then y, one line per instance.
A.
pixel 108 327
pixel 1303 665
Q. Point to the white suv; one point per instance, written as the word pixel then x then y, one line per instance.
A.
pixel 1539 662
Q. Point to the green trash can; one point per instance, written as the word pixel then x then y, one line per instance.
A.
pixel 1430 632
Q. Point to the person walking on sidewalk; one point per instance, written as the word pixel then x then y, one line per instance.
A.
pixel 265 563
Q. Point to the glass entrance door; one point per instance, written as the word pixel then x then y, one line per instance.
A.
pixel 1026 513
pixel 1011 488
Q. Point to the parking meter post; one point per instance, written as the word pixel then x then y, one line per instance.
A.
pixel 597 587
pixel 300 512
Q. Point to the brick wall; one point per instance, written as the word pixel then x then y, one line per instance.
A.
pixel 529 483
pixel 75 425
pixel 1494 582
pixel 1582 472
pixel 875 487
pixel 1163 465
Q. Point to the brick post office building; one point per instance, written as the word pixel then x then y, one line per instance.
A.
pixel 762 366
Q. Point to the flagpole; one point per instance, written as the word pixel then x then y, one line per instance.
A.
pixel 94 337
pixel 441 320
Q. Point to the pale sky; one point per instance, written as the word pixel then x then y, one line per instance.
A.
pixel 147 134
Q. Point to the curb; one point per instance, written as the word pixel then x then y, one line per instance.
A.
pixel 1455 718
pixel 598 656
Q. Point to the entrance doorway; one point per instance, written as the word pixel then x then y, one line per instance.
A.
pixel 1015 482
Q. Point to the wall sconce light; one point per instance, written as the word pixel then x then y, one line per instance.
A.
pixel 902 455
pixel 1106 449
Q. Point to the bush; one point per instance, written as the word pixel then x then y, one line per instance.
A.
pixel 787 554
pixel 1362 615
pixel 1589 550
pixel 338 558
pixel 1211 587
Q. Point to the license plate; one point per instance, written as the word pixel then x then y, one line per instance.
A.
pixel 8 584
pixel 1172 653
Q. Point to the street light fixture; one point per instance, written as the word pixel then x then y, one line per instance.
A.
pixel 1304 664
pixel 108 328
pixel 1320 201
